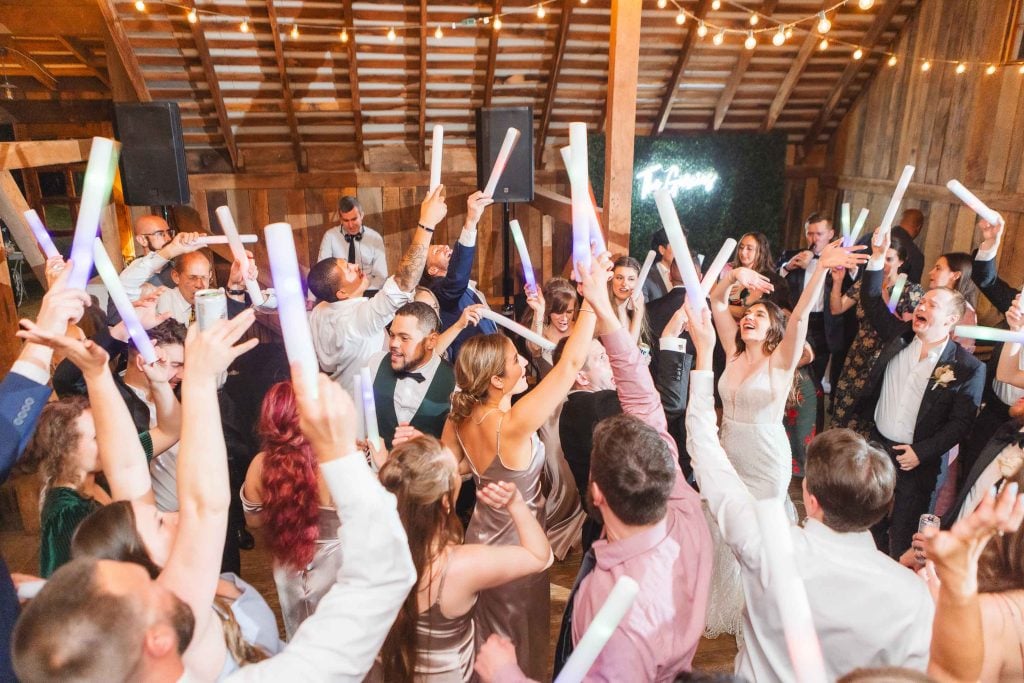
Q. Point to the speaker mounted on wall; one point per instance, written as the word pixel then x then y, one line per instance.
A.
pixel 516 184
pixel 153 170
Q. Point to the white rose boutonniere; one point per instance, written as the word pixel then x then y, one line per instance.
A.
pixel 942 376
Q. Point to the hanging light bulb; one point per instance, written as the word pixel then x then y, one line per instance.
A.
pixel 858 53
pixel 751 42
pixel 789 32
pixel 438 33
pixel 244 28
pixel 892 60
pixel 719 38
pixel 541 13
pixel 990 70
pixel 865 4
pixel 823 45
pixel 680 18
pixel 754 19
pixel 1021 69
pixel 139 5
pixel 824 25
pixel 716 5
pixel 391 34
pixel 344 34
pixel 779 38
pixel 702 30
pixel 487 20
pixel 927 65
pixel 583 2
pixel 295 31
pixel 192 16
pixel 960 68
pixel 662 4
pixel 497 23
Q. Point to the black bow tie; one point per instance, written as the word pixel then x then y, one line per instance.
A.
pixel 358 237
pixel 815 256
pixel 405 374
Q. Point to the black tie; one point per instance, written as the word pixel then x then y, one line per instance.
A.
pixel 352 239
pixel 564 647
pixel 404 374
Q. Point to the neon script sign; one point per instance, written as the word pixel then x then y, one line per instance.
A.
pixel 656 176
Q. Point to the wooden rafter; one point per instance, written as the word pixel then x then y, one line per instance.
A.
pixel 685 52
pixel 23 59
pixel 124 50
pixel 885 14
pixel 423 85
pixel 492 58
pixel 556 67
pixel 286 88
pixel 353 79
pixel 796 69
pixel 83 55
pixel 738 72
pixel 203 51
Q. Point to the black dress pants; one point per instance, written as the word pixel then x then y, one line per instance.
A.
pixel 895 532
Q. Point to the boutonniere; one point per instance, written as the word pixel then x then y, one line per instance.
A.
pixel 942 376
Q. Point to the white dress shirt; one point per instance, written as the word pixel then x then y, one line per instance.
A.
pixel 1007 393
pixel 818 305
pixel 666 275
pixel 172 300
pixel 139 272
pixel 903 390
pixel 369 253
pixel 409 393
pixel 868 610
pixel 347 333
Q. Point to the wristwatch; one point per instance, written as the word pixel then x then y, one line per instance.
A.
pixel 235 292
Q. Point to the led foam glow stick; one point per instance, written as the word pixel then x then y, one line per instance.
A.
pixel 369 408
pixel 897 291
pixel 524 253
pixel 897 198
pixel 680 249
pixel 580 193
pixel 990 334
pixel 291 302
pixel 597 243
pixel 435 157
pixel 862 218
pixel 513 326
pixel 43 239
pixel 357 392
pixel 607 619
pixel 511 138
pixel 99 180
pixel 786 586
pixel 222 239
pixel 227 223
pixel 972 201
pixel 844 218
pixel 715 269
pixel 106 271
pixel 645 269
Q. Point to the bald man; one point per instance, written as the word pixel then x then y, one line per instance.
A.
pixel 159 247
pixel 192 272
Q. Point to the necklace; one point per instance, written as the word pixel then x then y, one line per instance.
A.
pixel 480 421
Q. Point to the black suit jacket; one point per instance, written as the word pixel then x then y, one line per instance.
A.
pixel 947 412
pixel 661 310
pixel 1000 295
pixel 1000 440
pixel 839 329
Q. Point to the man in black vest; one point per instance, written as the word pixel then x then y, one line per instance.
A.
pixel 412 386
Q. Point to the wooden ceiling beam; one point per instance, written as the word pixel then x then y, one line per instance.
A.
pixel 423 86
pixel 796 69
pixel 685 52
pixel 492 58
pixel 286 88
pixel 556 67
pixel 24 60
pixel 738 72
pixel 124 50
pixel 210 74
pixel 83 55
pixel 878 27
pixel 348 15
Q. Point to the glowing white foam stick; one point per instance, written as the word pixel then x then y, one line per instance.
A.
pixel 991 334
pixel 607 619
pixel 680 249
pixel 291 302
pixel 106 271
pixel 96 187
pixel 222 239
pixel 43 238
pixel 357 393
pixel 897 197
pixel 715 269
pixel 369 407
pixel 511 138
pixel 597 243
pixel 862 218
pixel 897 291
pixel 580 193
pixel 513 326
pixel 645 269
pixel 227 223
pixel 972 201
pixel 524 253
pixel 435 157
pixel 787 588
pixel 844 219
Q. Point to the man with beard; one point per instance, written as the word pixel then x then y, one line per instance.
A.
pixel 412 386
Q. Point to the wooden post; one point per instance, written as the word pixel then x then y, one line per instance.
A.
pixel 10 346
pixel 623 58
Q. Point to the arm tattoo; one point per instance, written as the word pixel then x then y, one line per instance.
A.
pixel 410 270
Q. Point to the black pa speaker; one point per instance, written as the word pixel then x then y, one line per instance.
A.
pixel 516 184
pixel 153 170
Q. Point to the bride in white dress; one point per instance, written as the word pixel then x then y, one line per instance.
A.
pixel 762 352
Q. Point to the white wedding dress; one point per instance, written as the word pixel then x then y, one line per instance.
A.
pixel 754 438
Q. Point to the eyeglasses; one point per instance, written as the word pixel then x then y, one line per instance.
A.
pixel 166 234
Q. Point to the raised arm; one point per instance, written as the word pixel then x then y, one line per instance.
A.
pixel 168 410
pixel 432 212
pixel 838 302
pixel 1009 370
pixel 885 323
pixel 453 285
pixel 725 323
pixel 136 273
pixel 470 316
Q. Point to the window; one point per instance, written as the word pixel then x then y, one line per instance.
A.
pixel 1013 45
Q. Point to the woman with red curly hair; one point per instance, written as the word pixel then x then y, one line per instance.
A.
pixel 284 493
